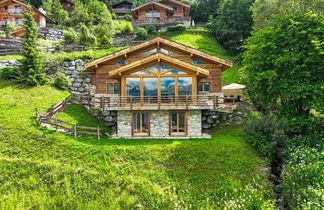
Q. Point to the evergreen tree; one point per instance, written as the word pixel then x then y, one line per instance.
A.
pixel 32 70
pixel 233 23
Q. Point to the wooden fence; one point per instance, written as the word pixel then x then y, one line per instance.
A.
pixel 48 119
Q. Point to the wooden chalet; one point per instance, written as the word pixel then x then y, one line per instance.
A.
pixel 67 5
pixel 162 12
pixel 159 88
pixel 12 11
pixel 122 8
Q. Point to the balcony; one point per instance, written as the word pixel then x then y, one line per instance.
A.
pixel 159 102
pixel 121 10
pixel 173 20
pixel 12 12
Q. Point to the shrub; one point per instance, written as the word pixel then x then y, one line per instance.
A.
pixel 150 28
pixel 123 26
pixel 70 37
pixel 303 179
pixel 61 81
pixel 86 38
pixel 128 17
pixel 113 16
pixel 10 28
pixel 267 134
pixel 105 40
pixel 177 28
pixel 9 73
pixel 58 47
pixel 141 33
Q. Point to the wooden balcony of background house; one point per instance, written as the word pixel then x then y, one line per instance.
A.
pixel 121 10
pixel 159 102
pixel 11 12
pixel 173 20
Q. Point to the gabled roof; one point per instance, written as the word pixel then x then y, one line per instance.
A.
pixel 176 2
pixel 159 40
pixel 160 57
pixel 24 3
pixel 152 2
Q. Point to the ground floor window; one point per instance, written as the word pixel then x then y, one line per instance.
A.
pixel 141 122
pixel 178 122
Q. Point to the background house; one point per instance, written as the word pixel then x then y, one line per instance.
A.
pixel 67 5
pixel 12 11
pixel 122 8
pixel 162 12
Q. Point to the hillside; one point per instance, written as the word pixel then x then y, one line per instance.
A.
pixel 43 169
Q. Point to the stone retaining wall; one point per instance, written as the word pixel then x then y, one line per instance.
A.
pixel 9 63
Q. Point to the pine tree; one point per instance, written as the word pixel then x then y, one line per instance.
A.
pixel 32 70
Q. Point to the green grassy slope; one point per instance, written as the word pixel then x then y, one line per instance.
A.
pixel 40 168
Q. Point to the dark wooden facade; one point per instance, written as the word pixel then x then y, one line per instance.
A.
pixel 122 8
pixel 114 67
pixel 67 5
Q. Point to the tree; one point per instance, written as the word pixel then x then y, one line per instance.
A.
pixel 201 10
pixel 233 23
pixel 283 68
pixel 55 11
pixel 263 10
pixel 32 70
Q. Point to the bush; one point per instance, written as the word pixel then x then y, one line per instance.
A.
pixel 303 179
pixel 177 28
pixel 128 17
pixel 105 40
pixel 267 134
pixel 123 26
pixel 141 33
pixel 70 37
pixel 10 28
pixel 150 28
pixel 9 73
pixel 58 47
pixel 86 38
pixel 61 81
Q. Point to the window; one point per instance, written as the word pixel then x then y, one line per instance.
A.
pixel 113 88
pixel 175 8
pixel 17 9
pixel 156 14
pixel 203 86
pixel 178 122
pixel 121 63
pixel 19 21
pixel 196 62
pixel 148 14
pixel 140 123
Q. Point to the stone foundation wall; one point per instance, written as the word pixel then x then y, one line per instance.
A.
pixel 159 124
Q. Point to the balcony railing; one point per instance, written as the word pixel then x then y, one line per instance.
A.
pixel 162 21
pixel 121 10
pixel 160 102
pixel 12 12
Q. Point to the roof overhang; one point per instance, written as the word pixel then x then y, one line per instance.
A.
pixel 160 57
pixel 177 2
pixel 158 40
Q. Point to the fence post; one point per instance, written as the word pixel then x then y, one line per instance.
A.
pixel 186 101
pixel 217 101
pixel 131 102
pixel 98 133
pixel 75 131
pixel 214 102
pixel 56 124
pixel 36 110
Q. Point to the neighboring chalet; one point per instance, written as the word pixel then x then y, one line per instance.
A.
pixel 12 11
pixel 122 8
pixel 159 88
pixel 161 13
pixel 67 5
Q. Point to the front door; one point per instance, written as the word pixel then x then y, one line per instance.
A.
pixel 141 123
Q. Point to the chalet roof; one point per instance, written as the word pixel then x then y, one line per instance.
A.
pixel 176 2
pixel 161 57
pixel 122 2
pixel 156 40
pixel 24 3
pixel 152 2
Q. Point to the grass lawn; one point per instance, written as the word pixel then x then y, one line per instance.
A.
pixel 40 168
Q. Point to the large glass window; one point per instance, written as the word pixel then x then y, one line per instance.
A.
pixel 150 89
pixel 184 86
pixel 133 88
pixel 167 89
pixel 140 122
pixel 178 122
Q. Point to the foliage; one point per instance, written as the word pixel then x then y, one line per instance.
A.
pixel 10 28
pixel 86 38
pixel 263 11
pixel 282 67
pixel 61 81
pixel 232 24
pixel 201 10
pixel 267 134
pixel 9 73
pixel 105 40
pixel 70 37
pixel 55 170
pixel 150 28
pixel 303 179
pixel 141 33
pixel 178 28
pixel 55 11
pixel 32 70
pixel 128 17
pixel 123 26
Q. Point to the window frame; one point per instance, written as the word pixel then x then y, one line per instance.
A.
pixel 114 88
pixel 203 86
pixel 148 133
pixel 185 133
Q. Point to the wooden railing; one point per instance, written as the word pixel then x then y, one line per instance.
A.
pixel 162 21
pixel 48 119
pixel 181 102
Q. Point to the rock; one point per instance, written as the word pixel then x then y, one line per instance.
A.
pixel 205 125
pixel 210 120
pixel 238 122
pixel 105 113
pixel 72 63
pixel 80 89
pixel 87 80
pixel 72 68
pixel 109 119
pixel 76 84
pixel 109 124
